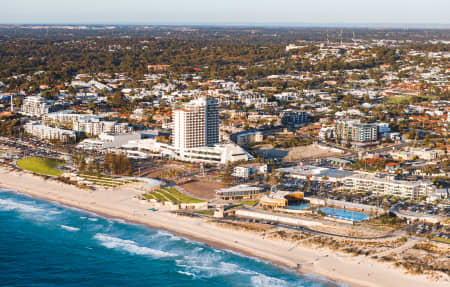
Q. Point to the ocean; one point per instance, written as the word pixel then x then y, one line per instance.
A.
pixel 45 244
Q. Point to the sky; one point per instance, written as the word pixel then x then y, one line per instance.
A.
pixel 223 11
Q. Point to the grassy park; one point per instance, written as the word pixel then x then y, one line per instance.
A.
pixel 41 165
pixel 172 195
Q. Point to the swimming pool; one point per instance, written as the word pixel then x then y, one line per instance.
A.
pixel 344 214
pixel 298 207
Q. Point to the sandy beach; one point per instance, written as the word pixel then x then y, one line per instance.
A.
pixel 120 203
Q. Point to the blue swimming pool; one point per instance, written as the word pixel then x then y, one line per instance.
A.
pixel 344 214
pixel 298 207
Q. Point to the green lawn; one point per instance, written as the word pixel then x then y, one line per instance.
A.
pixel 205 212
pixel 41 165
pixel 105 180
pixel 406 99
pixel 441 239
pixel 249 202
pixel 182 197
pixel 171 194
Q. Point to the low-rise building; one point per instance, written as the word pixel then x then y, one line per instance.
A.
pixel 315 173
pixel 248 170
pixel 107 141
pixel 94 126
pixel 40 131
pixel 388 186
pixel 239 192
pixel 246 138
pixel 422 153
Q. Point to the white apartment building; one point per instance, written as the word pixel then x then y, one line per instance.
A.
pixel 34 106
pixel 245 171
pixel 90 124
pixel 94 126
pixel 64 117
pixel 196 124
pixel 386 186
pixel 40 131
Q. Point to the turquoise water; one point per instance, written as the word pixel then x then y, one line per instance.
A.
pixel 298 207
pixel 45 244
pixel 345 214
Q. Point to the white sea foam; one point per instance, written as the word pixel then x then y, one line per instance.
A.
pixel 69 228
pixel 262 280
pixel 187 273
pixel 83 217
pixel 162 233
pixel 92 219
pixel 8 204
pixel 210 265
pixel 130 246
pixel 120 221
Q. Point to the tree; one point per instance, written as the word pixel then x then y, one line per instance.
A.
pixel 227 177
pixel 117 99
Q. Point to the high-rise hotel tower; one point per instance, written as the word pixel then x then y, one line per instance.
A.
pixel 196 124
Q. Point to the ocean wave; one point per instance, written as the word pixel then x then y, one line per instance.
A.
pixel 92 219
pixel 210 265
pixel 130 246
pixel 7 204
pixel 262 280
pixel 187 273
pixel 162 233
pixel 69 228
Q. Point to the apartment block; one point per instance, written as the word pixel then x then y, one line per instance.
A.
pixel 388 186
pixel 355 131
pixel 40 131
pixel 34 106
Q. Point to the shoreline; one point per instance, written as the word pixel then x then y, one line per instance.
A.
pixel 118 204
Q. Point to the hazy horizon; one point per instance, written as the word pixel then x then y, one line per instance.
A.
pixel 231 12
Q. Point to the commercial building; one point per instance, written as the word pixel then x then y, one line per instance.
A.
pixel 196 124
pixel 355 131
pixel 315 173
pixel 239 192
pixel 107 141
pixel 388 186
pixel 40 131
pixel 34 106
pixel 218 154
